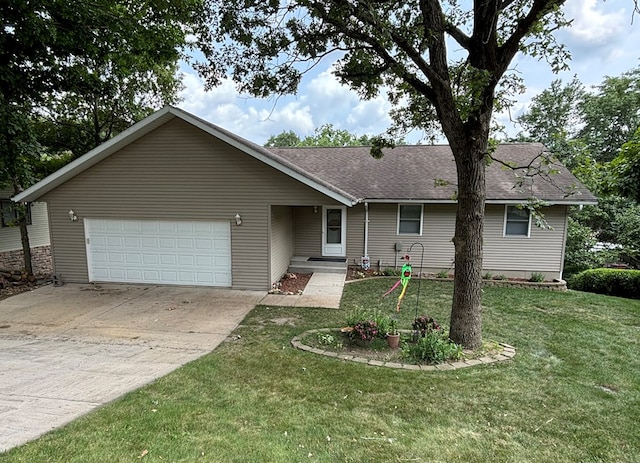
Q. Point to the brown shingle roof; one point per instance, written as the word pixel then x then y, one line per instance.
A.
pixel 413 172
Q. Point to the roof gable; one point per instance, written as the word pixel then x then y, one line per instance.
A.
pixel 158 119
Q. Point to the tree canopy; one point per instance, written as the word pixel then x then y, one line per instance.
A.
pixel 325 135
pixel 91 69
pixel 73 74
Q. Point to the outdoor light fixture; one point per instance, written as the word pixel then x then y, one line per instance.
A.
pixel 238 220
pixel 72 216
pixel 315 209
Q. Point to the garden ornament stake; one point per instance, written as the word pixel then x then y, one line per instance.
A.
pixel 405 276
pixel 419 273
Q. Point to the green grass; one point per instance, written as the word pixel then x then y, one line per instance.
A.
pixel 572 393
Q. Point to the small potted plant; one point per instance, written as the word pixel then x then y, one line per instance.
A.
pixel 393 336
pixel 364 332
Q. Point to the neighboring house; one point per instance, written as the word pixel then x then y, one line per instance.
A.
pixel 11 255
pixel 176 200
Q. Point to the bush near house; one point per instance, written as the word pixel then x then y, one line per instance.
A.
pixel 613 282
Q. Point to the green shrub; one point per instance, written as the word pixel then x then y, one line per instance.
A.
pixel 442 274
pixel 613 282
pixel 537 277
pixel 359 315
pixel 391 272
pixel 435 347
pixel 487 276
pixel 356 315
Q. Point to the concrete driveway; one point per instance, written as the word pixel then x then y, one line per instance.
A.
pixel 67 350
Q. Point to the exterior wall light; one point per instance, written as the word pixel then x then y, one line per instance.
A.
pixel 72 216
pixel 238 220
pixel 315 209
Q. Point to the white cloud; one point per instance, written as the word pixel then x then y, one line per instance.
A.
pixel 248 117
pixel 592 25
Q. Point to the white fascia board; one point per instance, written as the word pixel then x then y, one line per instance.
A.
pixel 546 202
pixel 409 201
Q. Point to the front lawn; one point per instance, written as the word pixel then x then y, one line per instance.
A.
pixel 571 394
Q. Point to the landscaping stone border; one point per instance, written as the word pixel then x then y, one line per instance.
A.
pixel 559 285
pixel 508 352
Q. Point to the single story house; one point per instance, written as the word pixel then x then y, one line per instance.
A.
pixel 177 200
pixel 11 255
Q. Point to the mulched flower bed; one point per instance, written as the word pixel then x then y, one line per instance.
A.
pixel 291 284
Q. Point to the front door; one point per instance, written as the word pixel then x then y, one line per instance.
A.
pixel 334 231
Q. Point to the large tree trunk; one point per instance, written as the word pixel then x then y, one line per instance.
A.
pixel 26 247
pixel 24 232
pixel 466 311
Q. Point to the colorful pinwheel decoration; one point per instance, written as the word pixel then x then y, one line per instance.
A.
pixel 405 276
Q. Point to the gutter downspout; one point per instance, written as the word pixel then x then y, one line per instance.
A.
pixel 366 229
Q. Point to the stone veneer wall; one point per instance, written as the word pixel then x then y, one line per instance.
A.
pixel 40 260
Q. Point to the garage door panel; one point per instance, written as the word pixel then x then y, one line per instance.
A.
pixel 188 253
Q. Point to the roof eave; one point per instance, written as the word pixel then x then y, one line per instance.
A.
pixel 550 202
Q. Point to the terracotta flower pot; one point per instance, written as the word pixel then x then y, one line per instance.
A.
pixel 393 340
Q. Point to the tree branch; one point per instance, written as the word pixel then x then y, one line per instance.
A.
pixel 511 46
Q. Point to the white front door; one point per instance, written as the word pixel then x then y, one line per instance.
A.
pixel 334 231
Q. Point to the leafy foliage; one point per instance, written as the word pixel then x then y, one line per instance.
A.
pixel 625 168
pixel 365 330
pixel 612 282
pixel 611 115
pixel 77 73
pixel 325 135
pixel 434 347
pixel 537 277
pixel 423 325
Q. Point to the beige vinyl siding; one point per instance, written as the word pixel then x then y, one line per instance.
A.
pixel 355 233
pixel 519 256
pixel 437 231
pixel 308 231
pixel 512 256
pixel 281 240
pixel 38 230
pixel 177 172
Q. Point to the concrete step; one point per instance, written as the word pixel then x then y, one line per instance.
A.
pixel 302 265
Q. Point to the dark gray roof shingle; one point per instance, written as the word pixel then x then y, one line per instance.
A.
pixel 414 172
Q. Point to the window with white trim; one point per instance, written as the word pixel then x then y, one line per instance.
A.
pixel 517 221
pixel 409 219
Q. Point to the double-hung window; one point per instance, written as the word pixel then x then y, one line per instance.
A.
pixel 517 221
pixel 409 219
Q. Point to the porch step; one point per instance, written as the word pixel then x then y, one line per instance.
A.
pixel 302 265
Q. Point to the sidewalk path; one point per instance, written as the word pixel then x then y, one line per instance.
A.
pixel 322 290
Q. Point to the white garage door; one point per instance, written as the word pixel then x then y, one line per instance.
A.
pixel 140 251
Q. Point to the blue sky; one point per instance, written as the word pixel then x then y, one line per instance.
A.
pixel 603 40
